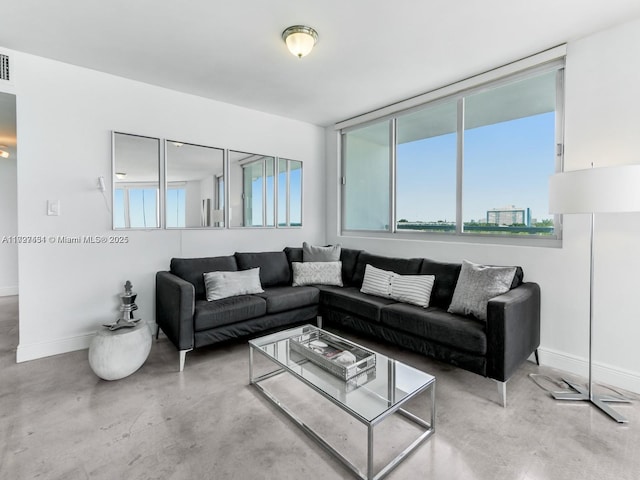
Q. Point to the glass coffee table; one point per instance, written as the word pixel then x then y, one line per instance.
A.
pixel 371 397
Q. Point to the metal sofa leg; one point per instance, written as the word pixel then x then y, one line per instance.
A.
pixel 183 356
pixel 502 393
pixel 319 321
pixel 157 331
pixel 537 357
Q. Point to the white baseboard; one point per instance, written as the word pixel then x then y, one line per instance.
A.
pixel 602 373
pixel 34 351
pixel 8 291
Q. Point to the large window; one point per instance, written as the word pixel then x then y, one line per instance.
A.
pixel 476 162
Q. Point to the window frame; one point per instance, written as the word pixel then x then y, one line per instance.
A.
pixel 458 93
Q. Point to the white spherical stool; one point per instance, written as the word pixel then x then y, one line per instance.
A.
pixel 117 354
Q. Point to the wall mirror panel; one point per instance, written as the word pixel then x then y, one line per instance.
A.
pixel 251 190
pixel 289 193
pixel 195 186
pixel 136 181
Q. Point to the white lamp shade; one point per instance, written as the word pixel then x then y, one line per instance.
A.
pixel 596 190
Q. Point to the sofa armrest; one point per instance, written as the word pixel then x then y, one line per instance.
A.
pixel 513 329
pixel 175 304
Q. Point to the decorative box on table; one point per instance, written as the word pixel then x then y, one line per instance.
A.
pixel 336 355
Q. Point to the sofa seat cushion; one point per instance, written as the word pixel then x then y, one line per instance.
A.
pixel 227 311
pixel 281 299
pixel 463 333
pixel 351 300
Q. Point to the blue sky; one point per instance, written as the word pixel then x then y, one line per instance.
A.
pixel 507 163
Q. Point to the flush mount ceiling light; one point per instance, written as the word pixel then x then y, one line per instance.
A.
pixel 300 40
pixel 3 152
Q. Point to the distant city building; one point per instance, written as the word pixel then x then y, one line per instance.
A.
pixel 509 216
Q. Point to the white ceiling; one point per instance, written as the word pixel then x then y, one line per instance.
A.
pixel 370 52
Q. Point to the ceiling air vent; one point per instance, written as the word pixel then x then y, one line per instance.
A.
pixel 4 68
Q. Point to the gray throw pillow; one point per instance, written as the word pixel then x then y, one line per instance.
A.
pixel 317 273
pixel 230 284
pixel 311 253
pixel 477 284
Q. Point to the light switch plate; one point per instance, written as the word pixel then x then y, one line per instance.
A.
pixel 53 207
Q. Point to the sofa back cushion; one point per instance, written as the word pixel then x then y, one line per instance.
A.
pixel 193 269
pixel 274 267
pixel 349 258
pixel 446 278
pixel 294 254
pixel 402 266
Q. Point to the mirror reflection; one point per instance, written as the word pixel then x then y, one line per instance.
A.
pixel 289 193
pixel 251 190
pixel 195 186
pixel 136 181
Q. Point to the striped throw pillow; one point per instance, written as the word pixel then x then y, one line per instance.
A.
pixel 414 289
pixel 376 281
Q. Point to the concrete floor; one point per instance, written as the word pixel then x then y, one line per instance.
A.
pixel 59 421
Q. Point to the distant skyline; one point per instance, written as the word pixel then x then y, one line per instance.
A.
pixel 507 163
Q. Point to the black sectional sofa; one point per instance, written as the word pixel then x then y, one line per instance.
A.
pixel 494 348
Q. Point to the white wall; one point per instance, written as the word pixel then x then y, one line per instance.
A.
pixel 602 104
pixel 8 226
pixel 65 115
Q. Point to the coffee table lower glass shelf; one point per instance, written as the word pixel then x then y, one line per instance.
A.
pixel 386 388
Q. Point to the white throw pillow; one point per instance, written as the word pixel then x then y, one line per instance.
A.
pixel 477 284
pixel 317 273
pixel 414 289
pixel 230 284
pixel 376 281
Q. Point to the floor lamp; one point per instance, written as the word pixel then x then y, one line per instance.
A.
pixel 595 190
